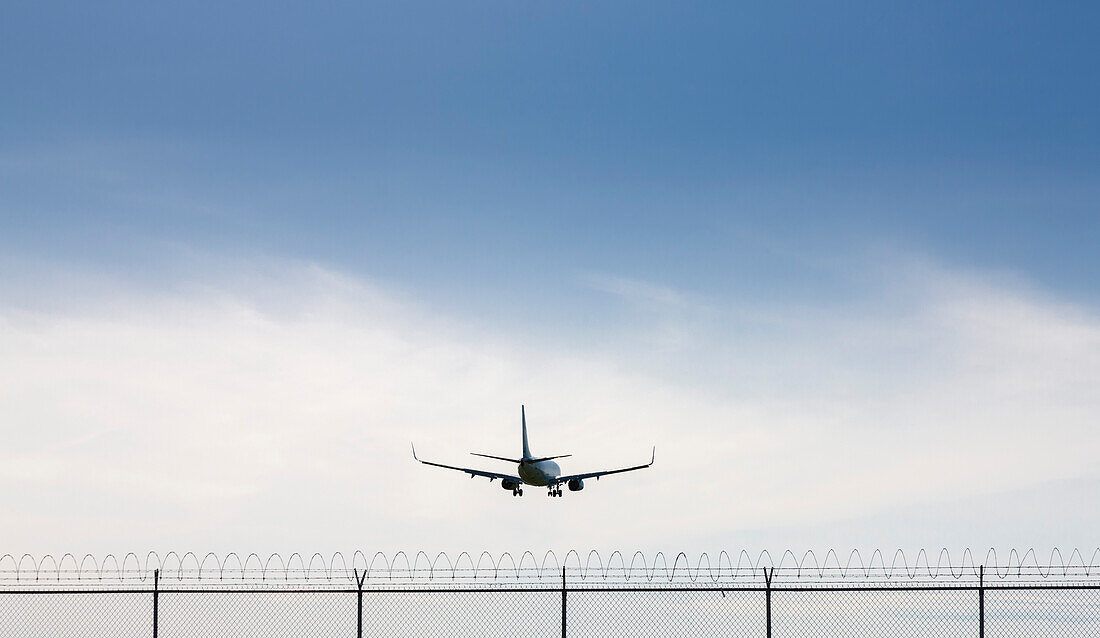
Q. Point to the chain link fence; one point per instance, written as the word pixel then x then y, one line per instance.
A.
pixel 826 602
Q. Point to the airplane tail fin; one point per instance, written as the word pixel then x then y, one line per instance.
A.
pixel 526 449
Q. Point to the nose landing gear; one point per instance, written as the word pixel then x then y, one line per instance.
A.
pixel 554 491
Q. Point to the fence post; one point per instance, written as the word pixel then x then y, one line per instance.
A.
pixel 156 602
pixel 359 602
pixel 768 597
pixel 981 601
pixel 563 594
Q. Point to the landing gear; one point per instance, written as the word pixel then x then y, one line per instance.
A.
pixel 517 492
pixel 554 491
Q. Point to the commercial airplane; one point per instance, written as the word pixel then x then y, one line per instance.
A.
pixel 543 472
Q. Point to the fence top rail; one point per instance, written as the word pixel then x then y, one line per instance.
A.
pixel 591 567
pixel 530 588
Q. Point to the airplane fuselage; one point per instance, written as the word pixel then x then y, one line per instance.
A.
pixel 539 473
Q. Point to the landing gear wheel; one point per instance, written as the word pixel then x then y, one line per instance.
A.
pixel 520 492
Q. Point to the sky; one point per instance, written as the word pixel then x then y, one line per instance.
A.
pixel 837 262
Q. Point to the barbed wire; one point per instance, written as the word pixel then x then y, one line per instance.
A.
pixel 504 567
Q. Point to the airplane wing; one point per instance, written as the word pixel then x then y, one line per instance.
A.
pixel 472 472
pixel 597 475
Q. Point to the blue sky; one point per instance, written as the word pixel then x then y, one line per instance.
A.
pixel 757 205
pixel 655 139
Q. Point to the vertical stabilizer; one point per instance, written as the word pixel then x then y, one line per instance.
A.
pixel 526 450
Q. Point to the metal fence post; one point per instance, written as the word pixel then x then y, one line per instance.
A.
pixel 563 594
pixel 981 601
pixel 359 603
pixel 156 602
pixel 768 597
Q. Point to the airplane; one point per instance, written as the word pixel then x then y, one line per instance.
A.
pixel 537 471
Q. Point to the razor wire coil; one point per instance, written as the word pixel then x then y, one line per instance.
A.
pixel 591 567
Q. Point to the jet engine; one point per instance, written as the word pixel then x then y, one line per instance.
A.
pixel 509 485
pixel 576 485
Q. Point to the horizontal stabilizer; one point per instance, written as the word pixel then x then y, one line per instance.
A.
pixel 547 458
pixel 499 458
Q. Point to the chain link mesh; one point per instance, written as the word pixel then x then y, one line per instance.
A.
pixel 666 613
pixel 875 613
pixel 459 614
pixel 895 611
pixel 264 614
pixel 68 615
pixel 1053 613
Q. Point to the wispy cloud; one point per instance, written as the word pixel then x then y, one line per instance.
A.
pixel 285 401
pixel 637 291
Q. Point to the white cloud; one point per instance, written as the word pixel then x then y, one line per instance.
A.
pixel 275 411
pixel 636 290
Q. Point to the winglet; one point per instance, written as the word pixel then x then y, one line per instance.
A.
pixel 414 451
pixel 653 456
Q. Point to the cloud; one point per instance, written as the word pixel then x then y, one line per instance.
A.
pixel 272 406
pixel 636 291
